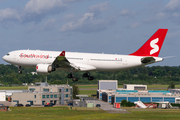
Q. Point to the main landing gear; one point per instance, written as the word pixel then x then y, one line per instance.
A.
pixel 85 75
pixel 19 70
pixel 71 75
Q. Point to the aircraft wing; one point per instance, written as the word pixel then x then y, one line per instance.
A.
pixel 147 60
pixel 61 61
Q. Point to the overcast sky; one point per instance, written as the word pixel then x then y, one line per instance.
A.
pixel 93 26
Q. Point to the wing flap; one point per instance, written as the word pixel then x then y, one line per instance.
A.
pixel 84 67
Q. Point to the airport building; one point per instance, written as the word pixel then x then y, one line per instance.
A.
pixel 2 96
pixel 135 93
pixel 105 85
pixel 43 93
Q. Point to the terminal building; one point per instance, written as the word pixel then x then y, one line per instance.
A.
pixel 135 93
pixel 43 93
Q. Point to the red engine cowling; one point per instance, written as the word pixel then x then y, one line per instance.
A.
pixel 43 68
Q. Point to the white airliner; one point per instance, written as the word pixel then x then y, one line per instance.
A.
pixel 48 61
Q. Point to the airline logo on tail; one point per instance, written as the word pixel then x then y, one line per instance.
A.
pixel 154 46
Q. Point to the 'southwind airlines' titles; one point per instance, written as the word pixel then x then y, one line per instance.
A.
pixel 22 55
pixel 49 61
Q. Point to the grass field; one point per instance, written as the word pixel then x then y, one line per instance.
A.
pixel 14 88
pixel 87 86
pixel 65 113
pixel 87 92
pixel 161 86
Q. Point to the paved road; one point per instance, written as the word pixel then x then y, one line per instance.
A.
pixel 6 103
pixel 108 107
pixel 87 88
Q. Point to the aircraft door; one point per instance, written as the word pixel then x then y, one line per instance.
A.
pixel 125 61
pixel 87 59
pixel 14 56
pixel 118 60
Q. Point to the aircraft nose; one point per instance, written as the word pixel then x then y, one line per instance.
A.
pixel 5 58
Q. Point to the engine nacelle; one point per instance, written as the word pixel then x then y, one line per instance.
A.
pixel 44 68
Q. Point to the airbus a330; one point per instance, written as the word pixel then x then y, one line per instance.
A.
pixel 49 61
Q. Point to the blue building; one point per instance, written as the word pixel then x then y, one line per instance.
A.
pixel 144 96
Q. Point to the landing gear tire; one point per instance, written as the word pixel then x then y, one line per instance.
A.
pixel 87 74
pixel 90 78
pixel 70 75
pixel 75 79
pixel 20 71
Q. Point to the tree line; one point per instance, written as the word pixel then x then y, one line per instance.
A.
pixel 142 75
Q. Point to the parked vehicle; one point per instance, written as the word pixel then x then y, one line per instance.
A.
pixel 98 105
pixel 51 104
pixel 2 105
pixel 70 104
pixel 19 105
pixel 48 105
pixel 28 105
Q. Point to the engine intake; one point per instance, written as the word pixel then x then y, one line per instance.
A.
pixel 44 68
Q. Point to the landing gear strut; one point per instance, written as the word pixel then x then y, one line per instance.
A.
pixel 20 71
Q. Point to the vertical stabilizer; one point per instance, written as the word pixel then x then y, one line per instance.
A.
pixel 153 46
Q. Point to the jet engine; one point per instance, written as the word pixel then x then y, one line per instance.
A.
pixel 44 68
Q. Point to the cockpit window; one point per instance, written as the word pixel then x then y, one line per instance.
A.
pixel 8 54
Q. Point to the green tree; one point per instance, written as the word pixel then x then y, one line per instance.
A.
pixel 171 86
pixel 124 103
pixel 75 91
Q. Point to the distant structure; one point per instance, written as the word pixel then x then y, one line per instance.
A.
pixel 43 93
pixel 34 73
pixel 133 92
pixel 134 87
pixel 24 84
pixel 107 84
pixel 2 96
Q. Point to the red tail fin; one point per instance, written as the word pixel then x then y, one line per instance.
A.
pixel 153 46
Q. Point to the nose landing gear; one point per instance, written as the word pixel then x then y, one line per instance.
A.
pixel 20 71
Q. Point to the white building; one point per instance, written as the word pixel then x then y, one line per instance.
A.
pixel 134 87
pixel 3 96
pixel 107 84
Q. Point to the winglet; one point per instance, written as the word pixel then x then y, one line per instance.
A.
pixel 62 53
pixel 153 46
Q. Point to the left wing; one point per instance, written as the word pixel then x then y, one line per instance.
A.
pixel 61 61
